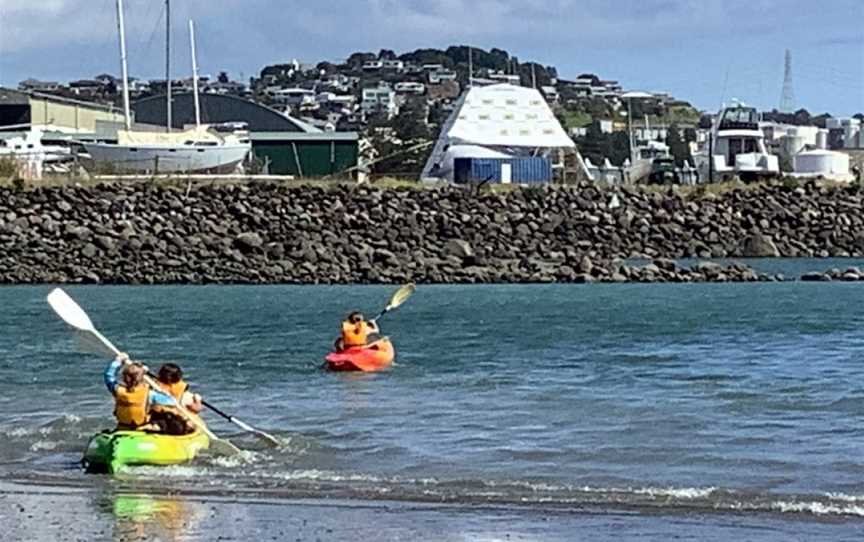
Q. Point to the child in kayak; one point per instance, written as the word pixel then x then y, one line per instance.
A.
pixel 171 380
pixel 356 331
pixel 133 398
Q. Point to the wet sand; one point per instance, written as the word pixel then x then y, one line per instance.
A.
pixel 37 513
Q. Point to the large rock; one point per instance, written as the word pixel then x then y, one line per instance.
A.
pixel 248 241
pixel 459 248
pixel 758 245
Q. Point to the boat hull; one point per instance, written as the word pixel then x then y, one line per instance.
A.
pixel 110 451
pixel 376 356
pixel 166 158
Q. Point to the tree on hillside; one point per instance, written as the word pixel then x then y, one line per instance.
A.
pixel 223 77
pixel 356 60
pixel 326 67
pixel 393 139
pixel 427 56
pixel 598 146
pixel 678 148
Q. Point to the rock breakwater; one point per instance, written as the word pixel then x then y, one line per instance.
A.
pixel 268 233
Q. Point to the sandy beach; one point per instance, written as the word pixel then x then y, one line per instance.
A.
pixel 35 512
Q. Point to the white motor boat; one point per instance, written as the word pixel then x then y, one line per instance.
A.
pixel 736 148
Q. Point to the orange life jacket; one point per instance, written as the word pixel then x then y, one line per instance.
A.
pixel 130 406
pixel 355 334
pixel 176 389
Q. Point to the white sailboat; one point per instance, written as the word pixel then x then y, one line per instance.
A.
pixel 203 149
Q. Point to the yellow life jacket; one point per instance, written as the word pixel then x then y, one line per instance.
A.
pixel 176 389
pixel 130 406
pixel 355 334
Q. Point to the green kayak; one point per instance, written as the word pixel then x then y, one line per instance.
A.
pixel 109 451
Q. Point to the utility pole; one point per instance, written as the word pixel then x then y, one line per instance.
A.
pixel 470 67
pixel 168 120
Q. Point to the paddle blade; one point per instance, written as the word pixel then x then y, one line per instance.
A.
pixel 69 311
pixel 89 342
pixel 401 295
pixel 224 447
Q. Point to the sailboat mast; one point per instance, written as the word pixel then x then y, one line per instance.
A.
pixel 123 68
pixel 470 67
pixel 168 120
pixel 194 74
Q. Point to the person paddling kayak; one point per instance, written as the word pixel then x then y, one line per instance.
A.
pixel 133 398
pixel 356 331
pixel 170 378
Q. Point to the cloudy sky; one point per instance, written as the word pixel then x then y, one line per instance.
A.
pixel 705 51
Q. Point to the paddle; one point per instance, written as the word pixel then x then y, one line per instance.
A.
pixel 238 422
pixel 401 296
pixel 243 425
pixel 74 315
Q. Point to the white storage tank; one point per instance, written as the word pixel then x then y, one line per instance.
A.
pixel 820 162
pixel 793 144
pixel 822 139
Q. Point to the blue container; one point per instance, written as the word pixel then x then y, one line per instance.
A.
pixel 528 170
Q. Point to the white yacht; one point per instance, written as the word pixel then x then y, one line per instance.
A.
pixel 202 149
pixel 199 150
pixel 34 155
pixel 736 148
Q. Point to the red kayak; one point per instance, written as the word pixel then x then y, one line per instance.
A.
pixel 372 357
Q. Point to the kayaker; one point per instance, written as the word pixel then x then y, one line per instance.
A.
pixel 356 331
pixel 133 398
pixel 171 379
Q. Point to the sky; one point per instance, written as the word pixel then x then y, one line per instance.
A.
pixel 708 52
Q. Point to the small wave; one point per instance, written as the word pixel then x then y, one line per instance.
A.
pixel 244 458
pixel 844 497
pixel 678 493
pixel 41 445
pixel 818 508
pixel 330 476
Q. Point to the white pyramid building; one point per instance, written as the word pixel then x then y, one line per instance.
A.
pixel 496 121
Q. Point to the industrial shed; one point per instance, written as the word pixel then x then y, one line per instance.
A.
pixel 21 110
pixel 287 146
pixel 306 154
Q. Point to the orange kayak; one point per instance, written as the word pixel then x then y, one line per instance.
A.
pixel 372 357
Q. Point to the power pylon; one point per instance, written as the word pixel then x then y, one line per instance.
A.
pixel 787 98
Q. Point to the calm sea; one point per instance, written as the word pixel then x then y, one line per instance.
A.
pixel 742 399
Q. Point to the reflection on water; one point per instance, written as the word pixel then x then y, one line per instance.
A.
pixel 143 517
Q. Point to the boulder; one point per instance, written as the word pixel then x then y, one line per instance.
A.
pixel 248 241
pixel 459 248
pixel 89 251
pixel 758 245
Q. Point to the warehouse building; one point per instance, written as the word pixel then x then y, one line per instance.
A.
pixel 285 145
pixel 21 110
